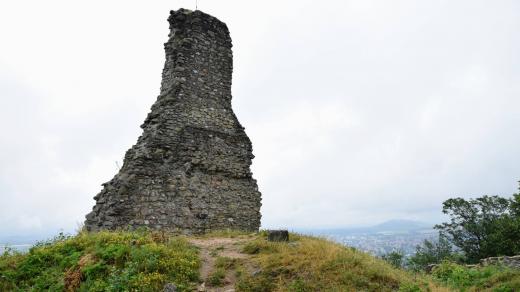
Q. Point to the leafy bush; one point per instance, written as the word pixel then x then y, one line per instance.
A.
pixel 104 261
pixel 483 227
pixel 216 277
pixel 492 278
pixel 433 252
pixel 410 287
pixel 395 258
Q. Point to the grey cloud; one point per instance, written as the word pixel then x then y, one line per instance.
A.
pixel 359 111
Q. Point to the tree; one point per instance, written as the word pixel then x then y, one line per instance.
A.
pixel 395 258
pixel 433 252
pixel 483 227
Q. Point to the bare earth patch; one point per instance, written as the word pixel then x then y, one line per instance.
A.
pixel 210 249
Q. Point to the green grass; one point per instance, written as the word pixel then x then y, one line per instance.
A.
pixel 146 261
pixel 216 277
pixel 490 278
pixel 221 266
pixel 314 264
pixel 104 261
pixel 225 263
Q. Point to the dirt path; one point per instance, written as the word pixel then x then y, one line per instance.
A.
pixel 210 250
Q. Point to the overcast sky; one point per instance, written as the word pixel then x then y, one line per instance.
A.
pixel 359 111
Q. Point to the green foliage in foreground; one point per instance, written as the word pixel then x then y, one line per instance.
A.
pixel 433 252
pixel 478 228
pixel 104 261
pixel 483 227
pixel 395 258
pixel 490 278
pixel 146 261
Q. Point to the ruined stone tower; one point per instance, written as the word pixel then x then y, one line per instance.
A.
pixel 189 170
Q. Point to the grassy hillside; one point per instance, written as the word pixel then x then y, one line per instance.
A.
pixel 105 261
pixel 314 264
pixel 146 261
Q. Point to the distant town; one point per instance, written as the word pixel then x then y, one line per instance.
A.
pixel 394 235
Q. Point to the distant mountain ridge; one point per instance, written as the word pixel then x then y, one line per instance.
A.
pixel 24 239
pixel 402 225
pixel 394 225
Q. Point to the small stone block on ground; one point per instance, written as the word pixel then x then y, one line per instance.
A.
pixel 278 235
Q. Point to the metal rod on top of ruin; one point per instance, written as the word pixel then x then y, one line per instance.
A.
pixel 196 4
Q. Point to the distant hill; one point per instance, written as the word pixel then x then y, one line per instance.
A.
pixel 400 225
pixel 22 239
pixel 390 226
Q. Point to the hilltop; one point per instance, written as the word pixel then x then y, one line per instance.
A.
pixel 221 261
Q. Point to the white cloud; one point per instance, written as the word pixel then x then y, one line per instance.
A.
pixel 359 111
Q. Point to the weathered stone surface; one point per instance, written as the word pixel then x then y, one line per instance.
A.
pixel 278 235
pixel 511 261
pixel 190 169
pixel 169 287
pixel 507 261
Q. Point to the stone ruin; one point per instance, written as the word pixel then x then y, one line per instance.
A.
pixel 190 169
pixel 511 262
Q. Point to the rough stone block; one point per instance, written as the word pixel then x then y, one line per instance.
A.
pixel 278 235
pixel 169 287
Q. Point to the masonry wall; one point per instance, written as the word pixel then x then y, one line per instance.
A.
pixel 190 169
pixel 512 261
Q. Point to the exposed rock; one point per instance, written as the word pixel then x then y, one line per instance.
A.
pixel 431 267
pixel 278 235
pixel 169 287
pixel 190 169
pixel 508 261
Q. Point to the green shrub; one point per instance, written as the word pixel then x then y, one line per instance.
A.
pixel 225 263
pixel 433 252
pixel 410 287
pixel 483 227
pixel 299 285
pixel 216 277
pixel 104 261
pixel 493 278
pixel 395 258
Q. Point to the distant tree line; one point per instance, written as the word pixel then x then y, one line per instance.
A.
pixel 478 228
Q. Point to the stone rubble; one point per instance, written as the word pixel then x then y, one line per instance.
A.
pixel 508 261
